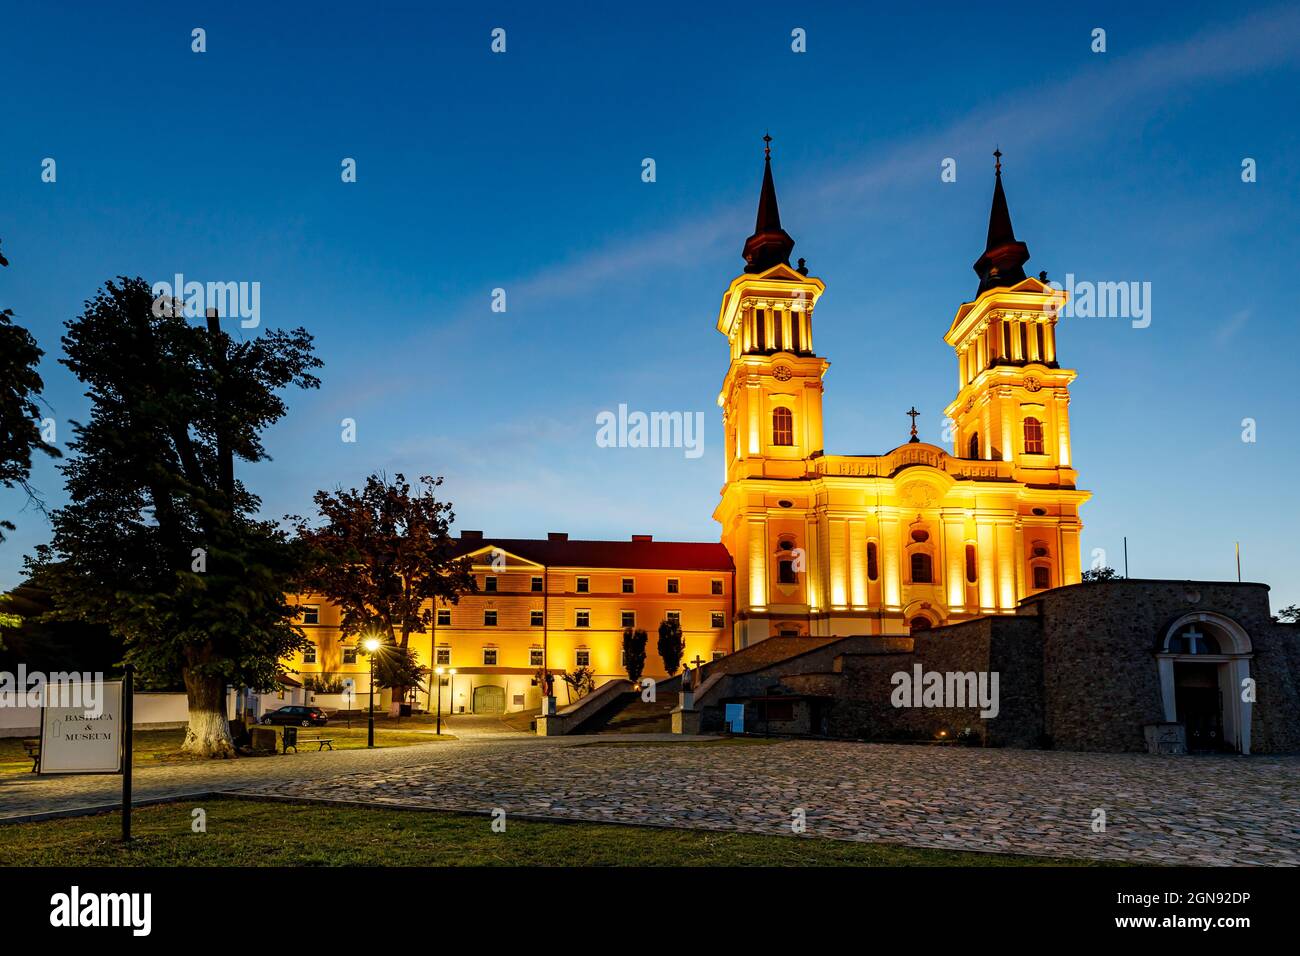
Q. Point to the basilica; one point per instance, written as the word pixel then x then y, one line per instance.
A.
pixel 919 536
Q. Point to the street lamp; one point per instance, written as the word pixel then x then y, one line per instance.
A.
pixel 371 645
pixel 439 671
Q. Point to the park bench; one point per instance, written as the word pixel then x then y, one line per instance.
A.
pixel 297 740
pixel 33 747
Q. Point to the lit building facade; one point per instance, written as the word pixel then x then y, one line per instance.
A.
pixel 917 537
pixel 552 603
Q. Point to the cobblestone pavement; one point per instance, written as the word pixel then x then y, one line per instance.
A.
pixel 22 794
pixel 1189 810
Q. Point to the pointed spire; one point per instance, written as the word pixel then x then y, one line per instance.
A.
pixel 770 244
pixel 1004 257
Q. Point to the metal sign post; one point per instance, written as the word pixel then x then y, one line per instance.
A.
pixel 128 715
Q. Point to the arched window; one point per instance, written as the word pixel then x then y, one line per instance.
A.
pixel 975 445
pixel 1033 436
pixel 1042 577
pixel 782 426
pixel 785 573
pixel 1194 641
pixel 971 570
pixel 921 570
pixel 873 561
pixel 920 624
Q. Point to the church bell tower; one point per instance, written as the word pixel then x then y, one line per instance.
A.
pixel 771 398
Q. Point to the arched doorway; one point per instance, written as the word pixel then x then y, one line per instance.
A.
pixel 489 699
pixel 1204 662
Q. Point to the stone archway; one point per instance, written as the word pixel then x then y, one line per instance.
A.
pixel 1203 660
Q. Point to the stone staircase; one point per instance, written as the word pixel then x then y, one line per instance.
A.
pixel 629 714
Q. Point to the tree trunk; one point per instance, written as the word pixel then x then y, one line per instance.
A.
pixel 208 733
pixel 399 693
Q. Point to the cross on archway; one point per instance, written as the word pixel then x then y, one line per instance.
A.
pixel 1195 640
pixel 698 662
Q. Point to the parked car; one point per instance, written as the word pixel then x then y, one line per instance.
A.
pixel 302 716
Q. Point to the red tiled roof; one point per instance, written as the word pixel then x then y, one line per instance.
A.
pixel 632 555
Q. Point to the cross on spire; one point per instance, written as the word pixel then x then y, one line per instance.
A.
pixel 997 156
pixel 767 146
pixel 913 412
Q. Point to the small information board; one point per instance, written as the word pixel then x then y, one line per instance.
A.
pixel 73 741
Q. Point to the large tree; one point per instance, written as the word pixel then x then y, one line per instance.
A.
pixel 20 385
pixel 160 540
pixel 384 554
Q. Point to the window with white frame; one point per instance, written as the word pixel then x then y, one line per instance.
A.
pixel 715 586
pixel 629 585
pixel 674 616
pixel 717 619
pixel 442 657
pixel 489 657
pixel 584 585
pixel 627 618
pixel 490 584
pixel 309 654
pixel 582 657
pixel 674 586
pixel 534 657
pixel 444 617
pixel 535 585
pixel 582 618
pixel 719 655
pixel 489 618
pixel 350 655
pixel 536 619
pixel 311 613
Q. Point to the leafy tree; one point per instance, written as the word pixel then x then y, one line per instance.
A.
pixel 20 384
pixel 634 643
pixel 1290 614
pixel 672 646
pixel 1100 574
pixel 385 556
pixel 160 541
pixel 31 636
pixel 581 682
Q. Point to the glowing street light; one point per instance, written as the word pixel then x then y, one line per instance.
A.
pixel 371 645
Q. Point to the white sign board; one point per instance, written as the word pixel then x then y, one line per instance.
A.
pixel 72 742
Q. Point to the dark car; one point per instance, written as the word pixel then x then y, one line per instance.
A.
pixel 302 716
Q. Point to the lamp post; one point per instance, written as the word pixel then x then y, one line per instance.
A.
pixel 372 645
pixel 439 672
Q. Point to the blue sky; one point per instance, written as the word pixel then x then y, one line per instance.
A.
pixel 522 171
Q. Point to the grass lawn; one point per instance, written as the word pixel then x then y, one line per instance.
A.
pixel 152 748
pixel 244 833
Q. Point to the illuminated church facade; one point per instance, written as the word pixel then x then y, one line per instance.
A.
pixel 919 536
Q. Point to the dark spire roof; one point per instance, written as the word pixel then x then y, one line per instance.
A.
pixel 1004 258
pixel 770 244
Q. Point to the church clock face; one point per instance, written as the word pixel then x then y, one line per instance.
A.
pixel 1032 384
pixel 781 373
